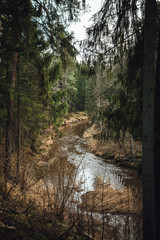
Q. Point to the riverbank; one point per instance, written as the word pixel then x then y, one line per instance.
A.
pixel 105 199
pixel 128 154
pixel 51 134
pixel 73 118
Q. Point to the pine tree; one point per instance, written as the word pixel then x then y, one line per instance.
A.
pixel 28 76
pixel 128 22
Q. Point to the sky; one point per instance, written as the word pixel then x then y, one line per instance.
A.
pixel 79 27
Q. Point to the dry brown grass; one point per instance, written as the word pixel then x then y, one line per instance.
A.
pixel 114 151
pixel 106 199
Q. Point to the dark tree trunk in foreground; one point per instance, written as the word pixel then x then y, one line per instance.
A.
pixel 10 109
pixel 18 125
pixel 157 144
pixel 150 126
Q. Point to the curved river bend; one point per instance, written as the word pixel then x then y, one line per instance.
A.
pixel 90 168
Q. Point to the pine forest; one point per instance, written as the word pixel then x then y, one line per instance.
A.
pixel 79 120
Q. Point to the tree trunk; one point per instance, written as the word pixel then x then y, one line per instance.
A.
pixel 0 33
pixel 149 84
pixel 10 108
pixel 157 143
pixel 18 125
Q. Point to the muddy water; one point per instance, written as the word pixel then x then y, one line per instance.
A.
pixel 92 169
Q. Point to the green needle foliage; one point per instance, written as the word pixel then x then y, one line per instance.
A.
pixel 37 55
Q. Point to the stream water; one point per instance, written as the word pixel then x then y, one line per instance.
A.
pixel 90 168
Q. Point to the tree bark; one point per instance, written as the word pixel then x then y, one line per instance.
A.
pixel 0 33
pixel 10 108
pixel 149 84
pixel 157 143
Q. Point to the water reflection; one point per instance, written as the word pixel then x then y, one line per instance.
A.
pixel 91 166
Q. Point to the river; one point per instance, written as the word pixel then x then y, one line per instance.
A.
pixel 91 170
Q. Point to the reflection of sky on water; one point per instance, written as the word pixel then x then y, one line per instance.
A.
pixel 89 166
